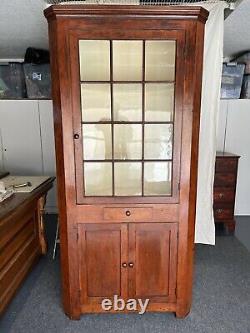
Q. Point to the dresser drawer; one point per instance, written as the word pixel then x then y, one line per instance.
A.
pixel 223 195
pixel 226 165
pixel 227 180
pixel 128 214
pixel 223 212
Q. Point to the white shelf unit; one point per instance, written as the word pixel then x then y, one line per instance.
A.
pixel 27 140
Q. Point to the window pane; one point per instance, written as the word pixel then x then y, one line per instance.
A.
pixel 158 141
pixel 159 102
pixel 98 179
pixel 96 102
pixel 160 60
pixel 127 60
pixel 128 179
pixel 128 141
pixel 97 143
pixel 94 60
pixel 127 99
pixel 157 178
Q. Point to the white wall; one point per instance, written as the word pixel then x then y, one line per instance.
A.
pixel 27 140
pixel 234 137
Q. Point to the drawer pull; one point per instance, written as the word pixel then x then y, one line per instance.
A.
pixel 124 265
pixel 221 195
pixel 219 211
pixel 131 264
pixel 128 213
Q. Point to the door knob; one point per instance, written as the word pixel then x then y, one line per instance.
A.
pixel 124 264
pixel 131 264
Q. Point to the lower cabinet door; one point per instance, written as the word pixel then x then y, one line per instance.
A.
pixel 130 260
pixel 102 250
pixel 152 261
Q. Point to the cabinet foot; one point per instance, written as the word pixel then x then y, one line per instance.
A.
pixel 73 316
pixel 182 313
pixel 231 226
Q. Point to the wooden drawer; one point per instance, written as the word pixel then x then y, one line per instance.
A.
pixel 128 214
pixel 27 233
pixel 10 272
pixel 223 195
pixel 223 212
pixel 227 180
pixel 226 165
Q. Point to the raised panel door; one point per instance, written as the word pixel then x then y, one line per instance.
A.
pixel 102 250
pixel 152 261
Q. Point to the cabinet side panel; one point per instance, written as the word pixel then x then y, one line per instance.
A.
pixel 190 141
pixel 68 233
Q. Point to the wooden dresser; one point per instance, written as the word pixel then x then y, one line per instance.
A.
pixel 22 238
pixel 226 167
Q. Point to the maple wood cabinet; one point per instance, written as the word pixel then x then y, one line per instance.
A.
pixel 126 94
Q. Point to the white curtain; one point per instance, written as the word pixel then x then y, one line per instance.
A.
pixel 212 66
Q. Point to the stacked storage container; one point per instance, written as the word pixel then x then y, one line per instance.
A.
pixel 245 58
pixel 12 81
pixel 231 83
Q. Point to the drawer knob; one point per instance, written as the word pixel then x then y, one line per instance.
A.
pixel 128 213
pixel 219 210
pixel 124 265
pixel 131 264
pixel 76 136
pixel 221 195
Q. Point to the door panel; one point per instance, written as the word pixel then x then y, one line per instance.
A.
pixel 102 249
pixel 152 261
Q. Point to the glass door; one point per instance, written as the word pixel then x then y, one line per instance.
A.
pixel 127 115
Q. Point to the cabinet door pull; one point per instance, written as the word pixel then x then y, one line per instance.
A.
pixel 221 195
pixel 124 265
pixel 131 264
pixel 128 213
pixel 219 211
pixel 76 136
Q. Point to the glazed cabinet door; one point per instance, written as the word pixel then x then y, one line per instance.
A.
pixel 102 254
pixel 152 261
pixel 127 117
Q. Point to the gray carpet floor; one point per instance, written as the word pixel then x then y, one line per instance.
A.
pixel 221 298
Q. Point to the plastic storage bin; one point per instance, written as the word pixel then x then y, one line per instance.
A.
pixel 12 81
pixel 38 80
pixel 245 58
pixel 231 83
pixel 245 92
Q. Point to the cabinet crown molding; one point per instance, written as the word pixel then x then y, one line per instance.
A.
pixel 174 12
